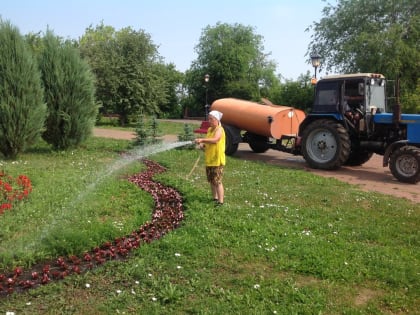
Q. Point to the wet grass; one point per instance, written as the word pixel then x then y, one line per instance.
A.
pixel 286 241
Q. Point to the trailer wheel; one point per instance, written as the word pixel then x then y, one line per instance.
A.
pixel 231 140
pixel 325 144
pixel 257 143
pixel 404 164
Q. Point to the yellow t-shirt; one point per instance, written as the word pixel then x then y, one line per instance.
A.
pixel 214 153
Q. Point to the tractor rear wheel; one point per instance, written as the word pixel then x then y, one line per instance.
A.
pixel 404 164
pixel 325 144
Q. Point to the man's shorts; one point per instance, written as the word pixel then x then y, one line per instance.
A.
pixel 214 174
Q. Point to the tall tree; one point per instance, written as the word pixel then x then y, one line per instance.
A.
pixel 22 108
pixel 173 79
pixel 123 62
pixel 233 56
pixel 69 93
pixel 370 36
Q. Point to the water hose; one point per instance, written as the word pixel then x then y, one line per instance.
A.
pixel 194 166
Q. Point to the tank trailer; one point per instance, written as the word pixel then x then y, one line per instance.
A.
pixel 347 124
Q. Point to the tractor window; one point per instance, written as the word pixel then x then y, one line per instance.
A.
pixel 376 97
pixel 327 98
pixel 354 95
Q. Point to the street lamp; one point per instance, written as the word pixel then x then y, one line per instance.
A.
pixel 206 83
pixel 260 86
pixel 316 61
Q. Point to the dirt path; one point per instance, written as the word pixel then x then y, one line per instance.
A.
pixel 369 177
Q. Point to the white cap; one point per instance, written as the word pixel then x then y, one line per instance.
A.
pixel 216 114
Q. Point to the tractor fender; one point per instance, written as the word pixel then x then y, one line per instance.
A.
pixel 312 117
pixel 391 148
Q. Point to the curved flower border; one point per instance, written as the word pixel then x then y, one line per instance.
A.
pixel 167 215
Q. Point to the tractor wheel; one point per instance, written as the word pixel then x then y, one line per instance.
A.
pixel 405 164
pixel 231 146
pixel 358 157
pixel 257 143
pixel 325 144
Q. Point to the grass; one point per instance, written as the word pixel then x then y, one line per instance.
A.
pixel 165 127
pixel 286 241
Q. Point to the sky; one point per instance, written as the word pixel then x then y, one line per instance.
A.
pixel 175 26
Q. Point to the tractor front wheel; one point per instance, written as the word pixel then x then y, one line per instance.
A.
pixel 404 164
pixel 325 144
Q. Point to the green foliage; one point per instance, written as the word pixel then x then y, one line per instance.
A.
pixel 233 56
pixel 69 93
pixel 147 132
pixel 142 132
pixel 411 101
pixel 154 126
pixel 371 36
pixel 22 110
pixel 173 79
pixel 187 135
pixel 298 94
pixel 130 75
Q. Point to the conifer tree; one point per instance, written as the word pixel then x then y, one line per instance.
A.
pixel 69 93
pixel 22 109
pixel 142 132
pixel 154 130
pixel 187 135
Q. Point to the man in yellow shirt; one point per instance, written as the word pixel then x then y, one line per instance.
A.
pixel 214 153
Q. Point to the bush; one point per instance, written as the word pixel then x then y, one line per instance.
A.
pixel 69 90
pixel 22 109
pixel 187 135
pixel 147 132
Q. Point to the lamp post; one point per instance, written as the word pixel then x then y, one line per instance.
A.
pixel 316 61
pixel 260 86
pixel 206 83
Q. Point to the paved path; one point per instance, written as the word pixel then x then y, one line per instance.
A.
pixel 125 135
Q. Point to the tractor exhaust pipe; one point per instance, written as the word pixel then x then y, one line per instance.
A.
pixel 396 113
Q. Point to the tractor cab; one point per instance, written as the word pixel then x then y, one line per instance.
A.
pixel 364 91
pixel 351 98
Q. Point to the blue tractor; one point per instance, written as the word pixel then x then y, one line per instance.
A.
pixel 349 122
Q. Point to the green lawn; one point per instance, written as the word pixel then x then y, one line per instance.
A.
pixel 286 241
pixel 166 127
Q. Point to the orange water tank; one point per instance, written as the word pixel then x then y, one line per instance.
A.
pixel 265 120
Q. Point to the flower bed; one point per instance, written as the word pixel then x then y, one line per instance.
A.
pixel 13 190
pixel 167 215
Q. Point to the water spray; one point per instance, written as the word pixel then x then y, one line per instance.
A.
pixel 130 156
pixel 135 154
